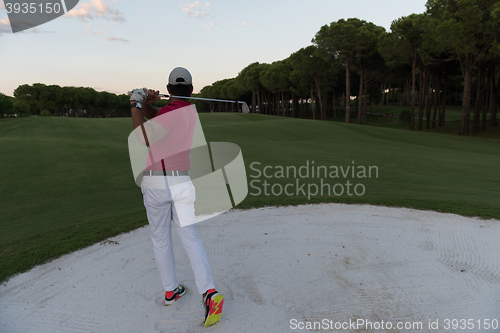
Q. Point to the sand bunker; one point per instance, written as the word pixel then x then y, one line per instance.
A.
pixel 278 269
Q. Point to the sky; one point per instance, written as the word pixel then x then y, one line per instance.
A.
pixel 119 45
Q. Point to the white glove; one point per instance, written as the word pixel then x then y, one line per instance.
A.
pixel 138 95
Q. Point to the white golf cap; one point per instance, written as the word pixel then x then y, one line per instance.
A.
pixel 180 75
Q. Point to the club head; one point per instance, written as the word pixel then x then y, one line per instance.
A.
pixel 245 108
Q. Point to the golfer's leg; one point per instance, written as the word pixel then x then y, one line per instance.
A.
pixel 195 251
pixel 159 211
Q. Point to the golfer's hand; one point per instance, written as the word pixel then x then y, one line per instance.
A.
pixel 151 96
pixel 138 95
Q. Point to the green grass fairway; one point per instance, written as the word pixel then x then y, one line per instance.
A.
pixel 68 183
pixel 452 111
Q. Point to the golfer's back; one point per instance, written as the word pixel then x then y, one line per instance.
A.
pixel 171 152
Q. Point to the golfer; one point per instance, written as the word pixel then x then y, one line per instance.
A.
pixel 168 192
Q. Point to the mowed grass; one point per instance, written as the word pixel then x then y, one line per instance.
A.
pixel 452 111
pixel 451 127
pixel 68 183
pixel 415 169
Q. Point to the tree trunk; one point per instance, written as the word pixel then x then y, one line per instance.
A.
pixel 301 106
pixel 365 100
pixel 270 103
pixel 413 79
pixel 276 110
pixel 421 99
pixel 437 98
pixel 317 81
pixel 356 105
pixel 276 104
pixel 347 91
pixel 360 94
pixel 312 102
pixel 442 113
pixel 388 95
pixel 404 94
pixel 479 100
pixel 283 107
pixel 486 99
pixel 493 102
pixel 279 105
pixel 259 102
pixel 382 89
pixel 265 99
pixel 428 98
pixel 288 104
pixel 284 104
pixel 272 97
pixel 465 116
pixel 327 100
pixel 334 107
pixel 408 92
pixel 254 104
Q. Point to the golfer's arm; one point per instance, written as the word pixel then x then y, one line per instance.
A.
pixel 149 111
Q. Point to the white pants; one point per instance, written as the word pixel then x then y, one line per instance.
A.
pixel 168 199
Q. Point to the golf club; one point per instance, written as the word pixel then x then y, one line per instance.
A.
pixel 244 107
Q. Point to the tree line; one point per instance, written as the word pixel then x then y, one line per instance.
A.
pixel 64 101
pixel 446 55
pixel 42 100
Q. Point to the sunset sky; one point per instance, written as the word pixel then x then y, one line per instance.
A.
pixel 118 45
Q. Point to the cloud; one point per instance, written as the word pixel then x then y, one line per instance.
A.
pixel 196 9
pixel 95 9
pixel 5 26
pixel 209 26
pixel 143 10
pixel 2 6
pixel 95 32
pixel 243 24
pixel 117 39
pixel 105 33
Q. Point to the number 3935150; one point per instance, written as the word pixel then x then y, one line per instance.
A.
pixel 33 8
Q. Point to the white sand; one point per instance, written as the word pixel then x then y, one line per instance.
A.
pixel 309 263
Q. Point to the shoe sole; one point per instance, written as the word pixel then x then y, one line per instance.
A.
pixel 167 303
pixel 214 318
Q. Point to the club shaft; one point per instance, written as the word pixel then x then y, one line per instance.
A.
pixel 203 99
